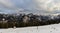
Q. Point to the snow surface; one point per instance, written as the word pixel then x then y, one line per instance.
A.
pixel 54 28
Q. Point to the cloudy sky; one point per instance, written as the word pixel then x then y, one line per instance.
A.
pixel 30 6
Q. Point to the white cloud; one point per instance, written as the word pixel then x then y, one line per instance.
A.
pixel 48 5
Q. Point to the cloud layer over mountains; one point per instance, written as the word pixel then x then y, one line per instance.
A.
pixel 30 6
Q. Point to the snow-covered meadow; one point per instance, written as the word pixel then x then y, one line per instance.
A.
pixel 54 28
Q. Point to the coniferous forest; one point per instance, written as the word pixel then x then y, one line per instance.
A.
pixel 25 20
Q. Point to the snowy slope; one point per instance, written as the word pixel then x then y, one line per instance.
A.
pixel 55 28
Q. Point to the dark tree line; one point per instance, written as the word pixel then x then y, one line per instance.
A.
pixel 22 20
